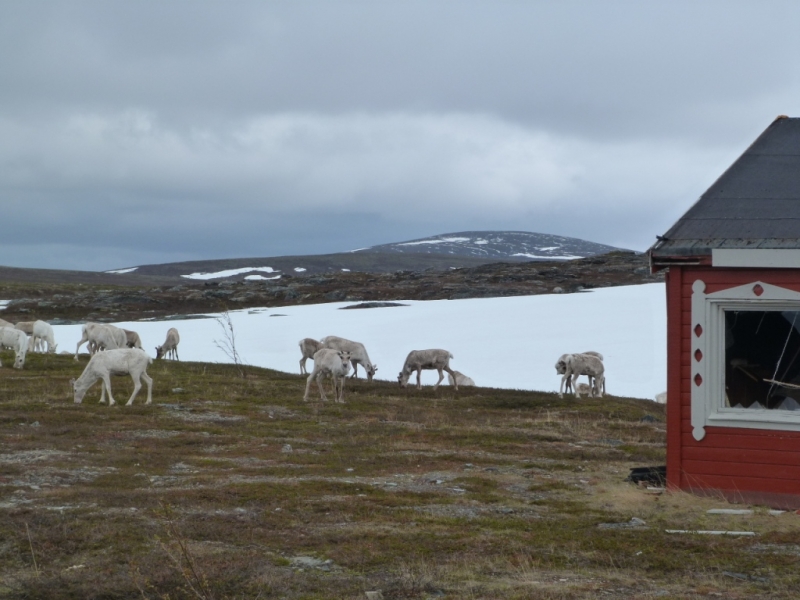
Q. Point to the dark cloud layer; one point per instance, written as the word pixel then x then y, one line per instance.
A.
pixel 147 132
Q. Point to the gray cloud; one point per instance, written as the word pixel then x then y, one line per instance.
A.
pixel 152 132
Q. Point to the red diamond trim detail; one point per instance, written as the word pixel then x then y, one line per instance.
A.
pixel 698 380
pixel 698 356
pixel 698 331
pixel 758 290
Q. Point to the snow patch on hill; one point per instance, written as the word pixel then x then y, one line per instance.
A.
pixel 231 272
pixel 261 278
pixel 542 256
pixel 121 271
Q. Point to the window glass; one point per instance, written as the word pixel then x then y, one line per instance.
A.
pixel 762 359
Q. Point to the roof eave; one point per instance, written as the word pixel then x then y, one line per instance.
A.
pixel 658 262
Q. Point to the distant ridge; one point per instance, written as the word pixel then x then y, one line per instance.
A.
pixel 438 253
pixel 498 245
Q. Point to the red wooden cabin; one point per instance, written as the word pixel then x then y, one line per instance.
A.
pixel 733 329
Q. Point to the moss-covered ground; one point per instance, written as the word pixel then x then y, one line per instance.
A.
pixel 228 487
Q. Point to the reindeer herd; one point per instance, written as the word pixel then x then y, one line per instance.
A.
pixel 122 353
pixel 333 357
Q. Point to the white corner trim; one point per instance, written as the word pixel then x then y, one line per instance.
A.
pixel 739 257
pixel 699 370
pixel 708 374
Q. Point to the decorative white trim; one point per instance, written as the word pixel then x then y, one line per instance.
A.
pixel 708 373
pixel 767 258
pixel 699 380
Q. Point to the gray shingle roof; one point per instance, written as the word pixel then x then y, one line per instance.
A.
pixel 754 204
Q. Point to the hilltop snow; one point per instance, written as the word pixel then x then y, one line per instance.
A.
pixel 498 244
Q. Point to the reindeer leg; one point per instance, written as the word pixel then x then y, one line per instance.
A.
pixel 308 386
pixel 441 376
pixel 453 375
pixel 319 385
pixel 149 381
pixel 107 382
pixel 137 385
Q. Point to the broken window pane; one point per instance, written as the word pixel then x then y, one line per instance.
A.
pixel 762 359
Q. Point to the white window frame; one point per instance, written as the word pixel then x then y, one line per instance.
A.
pixel 708 373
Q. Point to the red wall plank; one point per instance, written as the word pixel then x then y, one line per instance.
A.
pixel 725 482
pixel 761 471
pixel 728 437
pixel 747 459
pixel 788 501
pixel 740 437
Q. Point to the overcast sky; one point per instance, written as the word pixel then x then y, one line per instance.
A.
pixel 137 132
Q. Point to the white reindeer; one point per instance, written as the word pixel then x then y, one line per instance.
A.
pixel 561 369
pixel 460 378
pixel 329 362
pixel 358 354
pixel 419 360
pixel 26 326
pixel 43 334
pixel 118 361
pixel 132 339
pixel 101 336
pixel 576 365
pixel 308 347
pixel 170 345
pixel 16 340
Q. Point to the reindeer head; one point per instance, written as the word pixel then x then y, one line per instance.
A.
pixel 371 370
pixel 78 393
pixel 561 364
pixel 402 378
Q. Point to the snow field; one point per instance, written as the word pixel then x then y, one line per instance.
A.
pixel 500 342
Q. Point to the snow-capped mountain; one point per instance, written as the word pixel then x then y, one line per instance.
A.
pixel 501 245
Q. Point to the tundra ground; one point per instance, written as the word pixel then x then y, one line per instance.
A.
pixel 232 487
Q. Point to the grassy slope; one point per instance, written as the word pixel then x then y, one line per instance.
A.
pixel 477 494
